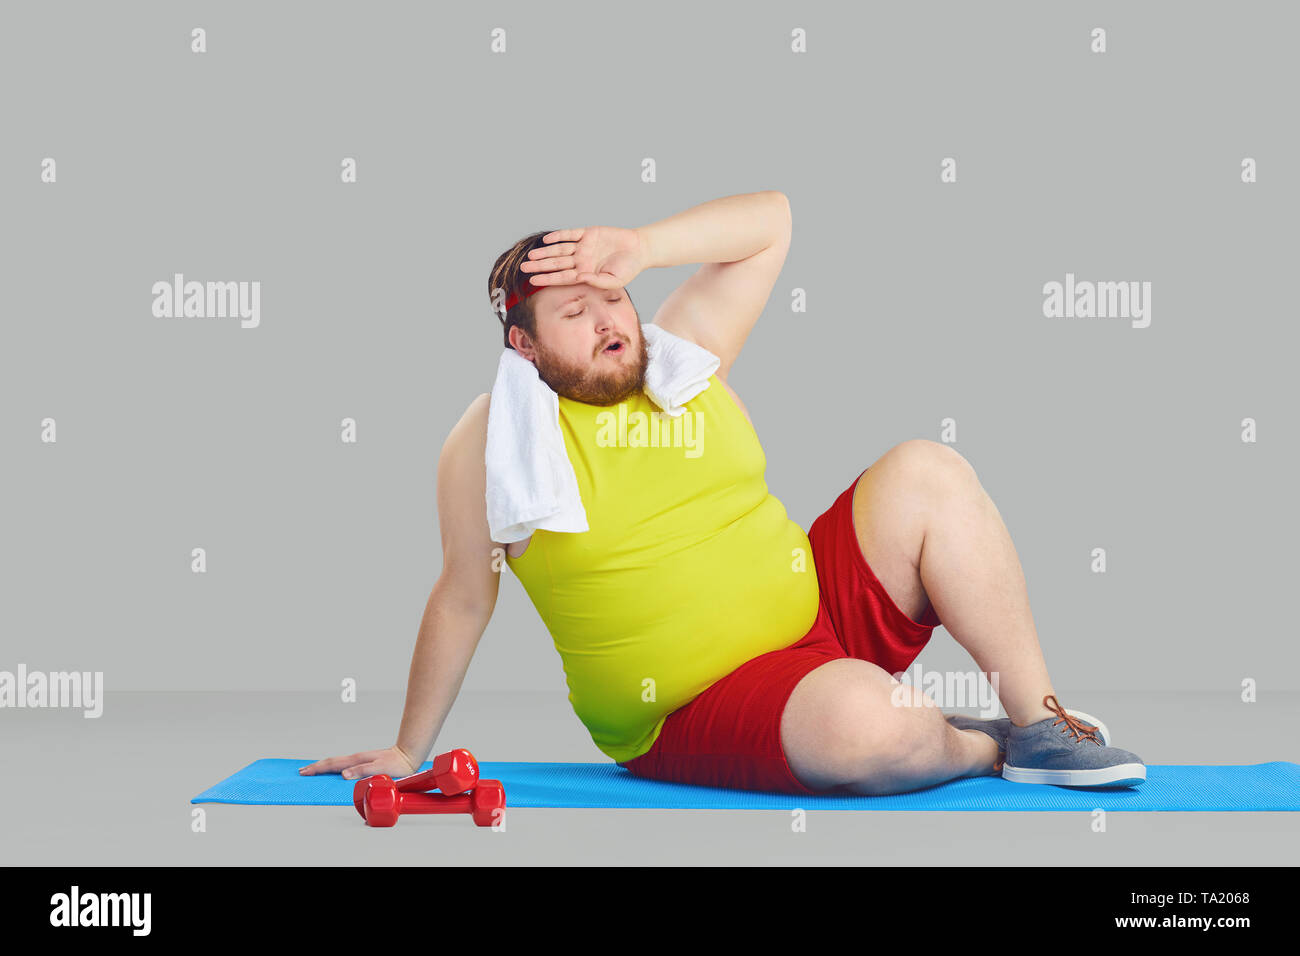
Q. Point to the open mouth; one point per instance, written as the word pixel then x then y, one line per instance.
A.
pixel 615 347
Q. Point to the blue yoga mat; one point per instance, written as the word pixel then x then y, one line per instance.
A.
pixel 1261 786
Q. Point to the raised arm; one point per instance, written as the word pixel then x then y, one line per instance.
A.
pixel 742 242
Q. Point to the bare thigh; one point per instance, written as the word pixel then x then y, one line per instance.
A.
pixel 842 724
pixel 890 507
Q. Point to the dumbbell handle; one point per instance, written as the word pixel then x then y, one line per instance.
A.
pixel 420 802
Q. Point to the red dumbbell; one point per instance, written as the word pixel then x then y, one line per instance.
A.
pixel 453 772
pixel 382 805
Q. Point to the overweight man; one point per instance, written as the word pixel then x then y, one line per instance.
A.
pixel 706 638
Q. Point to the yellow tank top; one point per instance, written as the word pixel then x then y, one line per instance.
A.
pixel 690 567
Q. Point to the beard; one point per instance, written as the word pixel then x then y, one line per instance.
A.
pixel 604 381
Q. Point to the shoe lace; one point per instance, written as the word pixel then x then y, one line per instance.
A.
pixel 1073 725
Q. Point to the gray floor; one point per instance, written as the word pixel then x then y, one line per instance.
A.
pixel 116 791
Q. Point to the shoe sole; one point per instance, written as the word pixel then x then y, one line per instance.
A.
pixel 1120 775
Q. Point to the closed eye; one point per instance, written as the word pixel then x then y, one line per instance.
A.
pixel 574 315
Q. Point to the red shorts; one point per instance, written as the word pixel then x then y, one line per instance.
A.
pixel 730 735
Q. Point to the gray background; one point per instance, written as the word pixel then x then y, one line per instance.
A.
pixel 924 298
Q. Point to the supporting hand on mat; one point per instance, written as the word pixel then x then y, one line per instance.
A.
pixel 606 257
pixel 391 761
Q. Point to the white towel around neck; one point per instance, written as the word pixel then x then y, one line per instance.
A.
pixel 530 480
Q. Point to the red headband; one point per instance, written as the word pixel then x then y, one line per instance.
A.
pixel 516 298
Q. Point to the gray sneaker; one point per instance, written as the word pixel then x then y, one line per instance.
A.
pixel 1065 751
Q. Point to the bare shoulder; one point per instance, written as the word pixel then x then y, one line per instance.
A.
pixel 468 578
pixel 472 427
pixel 462 481
pixel 461 463
pixel 478 412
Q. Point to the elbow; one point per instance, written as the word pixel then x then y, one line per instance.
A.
pixel 782 204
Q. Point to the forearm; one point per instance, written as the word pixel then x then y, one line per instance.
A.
pixel 446 643
pixel 720 230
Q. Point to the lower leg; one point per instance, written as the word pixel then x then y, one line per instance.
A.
pixel 974 580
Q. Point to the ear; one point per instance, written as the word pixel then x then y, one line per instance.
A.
pixel 521 342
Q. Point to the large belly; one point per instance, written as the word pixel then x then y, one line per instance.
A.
pixel 690 616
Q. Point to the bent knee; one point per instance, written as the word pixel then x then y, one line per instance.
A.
pixel 923 456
